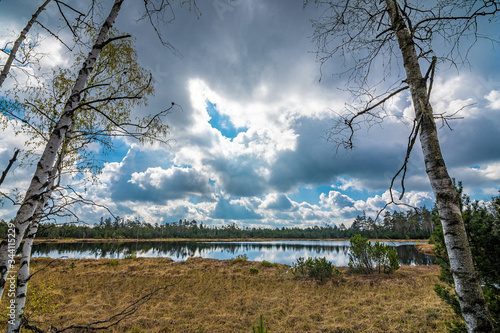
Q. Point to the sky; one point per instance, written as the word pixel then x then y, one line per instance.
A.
pixel 248 144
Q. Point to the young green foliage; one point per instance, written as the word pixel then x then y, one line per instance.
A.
pixel 117 85
pixel 41 299
pixel 266 263
pixel 361 255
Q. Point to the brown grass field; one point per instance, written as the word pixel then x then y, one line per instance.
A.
pixel 207 295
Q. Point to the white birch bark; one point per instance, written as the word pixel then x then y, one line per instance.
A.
pixel 24 272
pixel 40 179
pixel 19 41
pixel 467 285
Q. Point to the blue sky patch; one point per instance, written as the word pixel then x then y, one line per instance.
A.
pixel 9 108
pixel 116 155
pixel 222 122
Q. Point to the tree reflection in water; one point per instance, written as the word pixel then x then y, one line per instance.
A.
pixel 283 252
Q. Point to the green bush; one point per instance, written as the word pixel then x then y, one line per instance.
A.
pixel 361 255
pixel 447 295
pixel 241 258
pixel 113 262
pixel 267 264
pixel 315 268
pixel 367 258
pixel 393 256
pixel 253 271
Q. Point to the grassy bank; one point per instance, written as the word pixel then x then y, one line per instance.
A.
pixel 208 295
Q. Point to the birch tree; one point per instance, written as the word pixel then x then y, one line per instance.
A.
pixel 97 108
pixel 102 111
pixel 369 34
pixel 17 45
pixel 44 167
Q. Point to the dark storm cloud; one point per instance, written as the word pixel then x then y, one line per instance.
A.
pixel 473 141
pixel 315 161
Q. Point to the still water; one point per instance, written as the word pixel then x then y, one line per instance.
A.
pixel 282 252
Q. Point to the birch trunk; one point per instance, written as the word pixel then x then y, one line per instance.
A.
pixel 19 41
pixel 24 273
pixel 40 179
pixel 467 287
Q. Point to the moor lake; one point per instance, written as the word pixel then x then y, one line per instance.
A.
pixel 282 252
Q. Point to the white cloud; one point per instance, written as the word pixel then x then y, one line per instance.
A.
pixel 483 173
pixel 349 183
pixel 494 98
pixel 276 201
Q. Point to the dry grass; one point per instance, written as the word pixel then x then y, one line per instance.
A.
pixel 425 248
pixel 209 295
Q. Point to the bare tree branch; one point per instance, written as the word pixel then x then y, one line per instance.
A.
pixel 411 142
pixel 11 162
pixel 348 122
pixel 18 42
pixel 55 36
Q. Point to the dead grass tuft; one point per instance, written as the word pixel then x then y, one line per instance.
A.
pixel 425 248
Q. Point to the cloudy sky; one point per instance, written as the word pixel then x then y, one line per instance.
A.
pixel 248 145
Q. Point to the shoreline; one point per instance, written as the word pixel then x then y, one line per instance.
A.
pixel 123 240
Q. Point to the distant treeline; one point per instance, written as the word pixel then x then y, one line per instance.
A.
pixel 414 224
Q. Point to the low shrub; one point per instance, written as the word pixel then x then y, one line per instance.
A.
pixel 367 258
pixel 113 262
pixel 267 264
pixel 240 258
pixel 254 271
pixel 42 299
pixel 315 268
